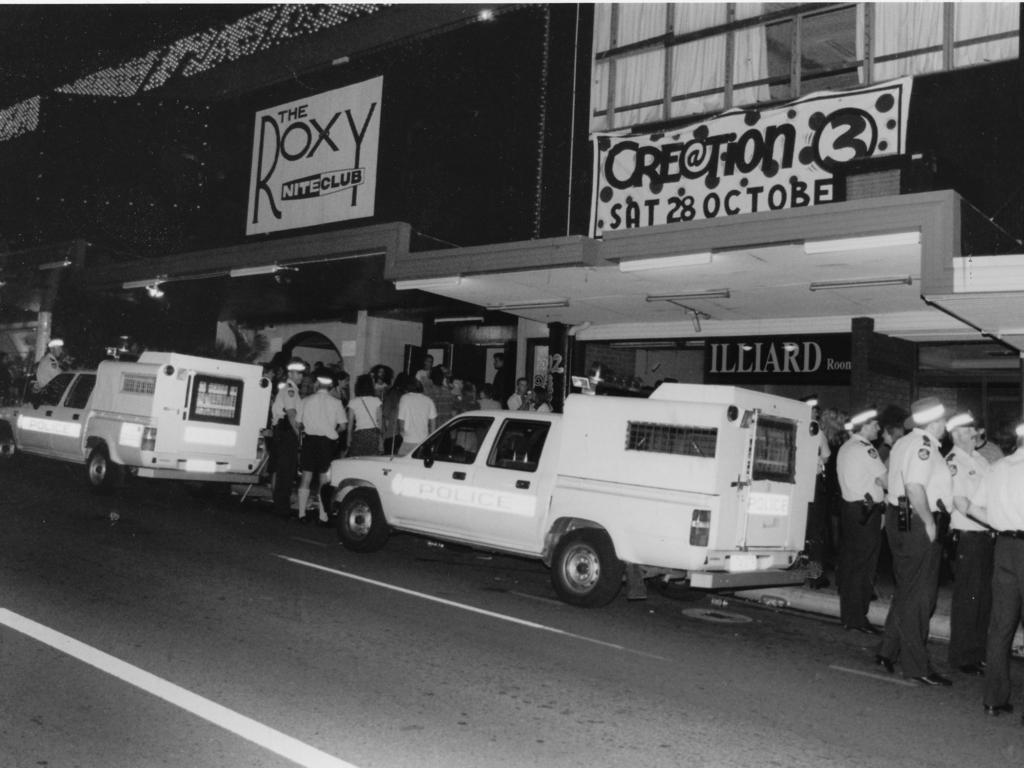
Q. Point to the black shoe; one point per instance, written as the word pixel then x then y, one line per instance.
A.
pixel 864 629
pixel 998 709
pixel 886 663
pixel 934 678
pixel 977 670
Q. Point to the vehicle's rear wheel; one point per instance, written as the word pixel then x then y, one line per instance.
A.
pixel 361 523
pixel 584 570
pixel 103 474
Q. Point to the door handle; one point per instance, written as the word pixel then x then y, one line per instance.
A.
pixel 49 413
pixel 522 484
pixel 75 417
pixel 458 475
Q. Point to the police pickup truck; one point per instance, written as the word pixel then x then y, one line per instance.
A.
pixel 165 416
pixel 709 484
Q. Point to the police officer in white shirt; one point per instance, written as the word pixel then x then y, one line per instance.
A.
pixel 972 582
pixel 1000 503
pixel 919 487
pixel 862 479
pixel 49 365
pixel 283 417
pixel 323 418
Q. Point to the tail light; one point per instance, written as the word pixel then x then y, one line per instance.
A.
pixel 700 527
pixel 261 448
pixel 148 439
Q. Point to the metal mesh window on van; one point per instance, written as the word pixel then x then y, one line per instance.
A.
pixel 138 384
pixel 671 438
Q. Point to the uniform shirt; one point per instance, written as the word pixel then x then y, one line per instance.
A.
pixel 858 466
pixel 415 410
pixel 1001 492
pixel 47 367
pixel 287 399
pixel 915 458
pixel 967 469
pixel 321 414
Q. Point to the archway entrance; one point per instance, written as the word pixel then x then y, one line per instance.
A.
pixel 313 347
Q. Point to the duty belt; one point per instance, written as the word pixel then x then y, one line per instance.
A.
pixel 1011 534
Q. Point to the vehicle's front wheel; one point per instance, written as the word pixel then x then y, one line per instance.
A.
pixel 102 474
pixel 585 571
pixel 361 523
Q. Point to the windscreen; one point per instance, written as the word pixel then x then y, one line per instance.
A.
pixel 216 399
pixel 775 450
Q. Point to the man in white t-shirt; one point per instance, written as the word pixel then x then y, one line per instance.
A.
pixel 417 415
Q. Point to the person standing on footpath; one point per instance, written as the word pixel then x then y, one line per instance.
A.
pixel 283 417
pixel 862 483
pixel 365 437
pixel 1000 503
pixel 972 573
pixel 920 485
pixel 323 420
pixel 417 416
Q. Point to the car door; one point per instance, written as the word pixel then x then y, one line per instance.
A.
pixel 433 487
pixel 69 418
pixel 36 419
pixel 518 485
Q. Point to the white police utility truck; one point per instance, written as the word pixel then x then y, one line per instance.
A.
pixel 164 416
pixel 710 484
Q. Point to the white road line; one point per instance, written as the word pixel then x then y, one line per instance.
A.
pixel 268 738
pixel 470 608
pixel 873 676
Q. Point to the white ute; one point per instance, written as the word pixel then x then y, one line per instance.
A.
pixel 165 416
pixel 707 483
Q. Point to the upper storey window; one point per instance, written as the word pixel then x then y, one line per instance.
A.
pixel 659 62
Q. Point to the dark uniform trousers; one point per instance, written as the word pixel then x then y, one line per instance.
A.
pixel 972 598
pixel 1007 599
pixel 858 559
pixel 915 562
pixel 286 450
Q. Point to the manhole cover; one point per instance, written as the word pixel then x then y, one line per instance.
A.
pixel 716 615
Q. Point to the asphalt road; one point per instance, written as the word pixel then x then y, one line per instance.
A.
pixel 150 628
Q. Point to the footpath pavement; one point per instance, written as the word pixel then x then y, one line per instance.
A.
pixel 825 602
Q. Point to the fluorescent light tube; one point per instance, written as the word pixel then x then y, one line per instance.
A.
pixel 889 240
pixel 867 282
pixel 714 293
pixel 426 284
pixel 459 319
pixel 666 262
pixel 133 284
pixel 266 269
pixel 532 305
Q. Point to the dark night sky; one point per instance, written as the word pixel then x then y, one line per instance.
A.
pixel 45 46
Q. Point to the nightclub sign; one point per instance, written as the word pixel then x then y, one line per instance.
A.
pixel 823 359
pixel 745 161
pixel 314 161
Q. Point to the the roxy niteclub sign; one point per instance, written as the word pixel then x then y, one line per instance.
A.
pixel 314 161
pixel 745 161
pixel 824 359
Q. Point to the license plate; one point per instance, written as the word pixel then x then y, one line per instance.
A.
pixel 200 465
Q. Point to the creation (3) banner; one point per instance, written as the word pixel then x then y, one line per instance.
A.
pixel 747 160
pixel 314 161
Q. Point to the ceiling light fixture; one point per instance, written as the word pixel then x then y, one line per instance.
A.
pixel 531 305
pixel 133 284
pixel 56 264
pixel 890 240
pixel 428 283
pixel 154 291
pixel 265 269
pixel 666 262
pixel 458 319
pixel 867 282
pixel 714 293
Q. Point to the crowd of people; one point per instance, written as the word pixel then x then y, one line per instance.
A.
pixel 948 504
pixel 316 417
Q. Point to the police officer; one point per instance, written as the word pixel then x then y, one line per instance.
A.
pixel 284 417
pixel 1000 503
pixel 862 482
pixel 972 583
pixel 49 365
pixel 323 418
pixel 919 486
